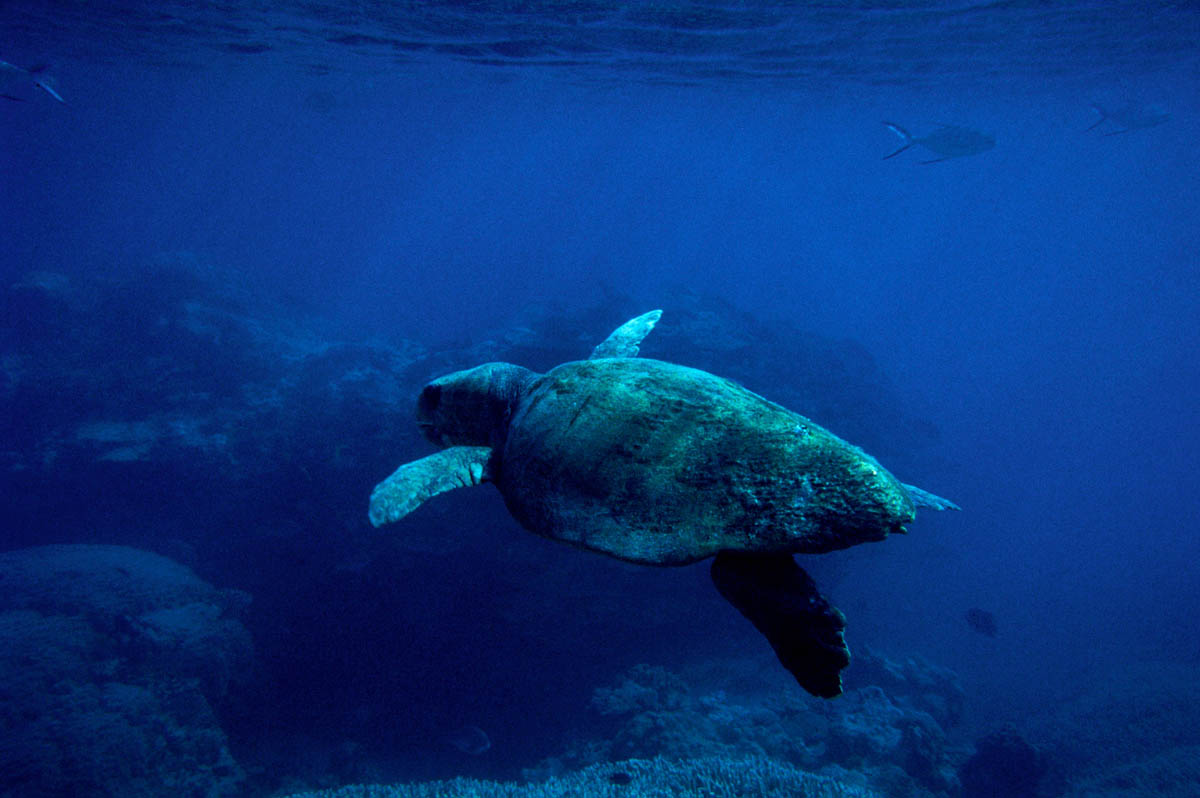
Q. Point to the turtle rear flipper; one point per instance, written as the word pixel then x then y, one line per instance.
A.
pixel 414 483
pixel 783 603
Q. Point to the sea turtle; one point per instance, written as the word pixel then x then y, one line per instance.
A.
pixel 661 464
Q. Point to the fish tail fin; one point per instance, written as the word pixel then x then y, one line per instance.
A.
pixel 1103 116
pixel 43 81
pixel 45 85
pixel 904 135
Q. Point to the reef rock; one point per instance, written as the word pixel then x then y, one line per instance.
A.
pixel 1004 765
pixel 911 682
pixel 111 661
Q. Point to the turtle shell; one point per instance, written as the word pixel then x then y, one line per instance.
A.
pixel 662 464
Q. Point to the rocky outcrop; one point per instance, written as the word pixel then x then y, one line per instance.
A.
pixel 112 661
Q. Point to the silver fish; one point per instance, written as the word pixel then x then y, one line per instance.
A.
pixel 13 76
pixel 948 141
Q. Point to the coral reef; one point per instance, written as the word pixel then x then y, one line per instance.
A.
pixel 912 682
pixel 901 750
pixel 1004 765
pixel 712 777
pixel 1174 773
pixel 111 661
pixel 1125 731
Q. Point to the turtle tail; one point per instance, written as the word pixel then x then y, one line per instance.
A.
pixel 923 498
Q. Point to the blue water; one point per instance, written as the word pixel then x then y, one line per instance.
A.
pixel 244 207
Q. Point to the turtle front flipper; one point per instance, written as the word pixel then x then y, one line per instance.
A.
pixel 623 341
pixel 783 603
pixel 413 483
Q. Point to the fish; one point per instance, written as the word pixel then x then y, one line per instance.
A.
pixel 982 621
pixel 13 76
pixel 470 740
pixel 948 141
pixel 1130 117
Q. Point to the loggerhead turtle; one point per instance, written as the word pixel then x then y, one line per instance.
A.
pixel 661 464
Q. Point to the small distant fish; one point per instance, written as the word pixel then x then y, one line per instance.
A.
pixel 470 740
pixel 982 621
pixel 620 777
pixel 13 76
pixel 948 141
pixel 1130 117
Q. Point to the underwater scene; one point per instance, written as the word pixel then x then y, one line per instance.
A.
pixel 590 398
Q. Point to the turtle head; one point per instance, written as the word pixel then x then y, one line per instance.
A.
pixel 472 407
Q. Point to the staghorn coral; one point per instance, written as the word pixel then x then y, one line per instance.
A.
pixel 900 750
pixel 711 777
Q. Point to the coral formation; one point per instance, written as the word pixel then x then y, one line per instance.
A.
pixel 899 749
pixel 912 682
pixel 1004 765
pixel 1125 732
pixel 712 777
pixel 111 660
pixel 1174 773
